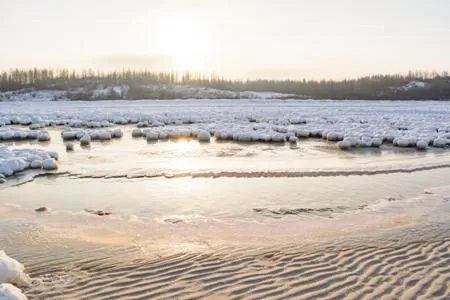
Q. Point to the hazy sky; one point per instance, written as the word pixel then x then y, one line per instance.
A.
pixel 236 38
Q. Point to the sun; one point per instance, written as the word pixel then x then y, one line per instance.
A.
pixel 185 40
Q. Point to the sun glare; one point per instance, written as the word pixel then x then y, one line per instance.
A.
pixel 184 40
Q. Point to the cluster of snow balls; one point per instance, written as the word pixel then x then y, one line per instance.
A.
pixel 15 134
pixel 17 160
pixel 86 136
pixel 12 277
pixel 360 142
pixel 145 124
pixel 248 136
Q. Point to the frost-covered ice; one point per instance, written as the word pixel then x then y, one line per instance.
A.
pixel 17 160
pixel 13 272
pixel 351 124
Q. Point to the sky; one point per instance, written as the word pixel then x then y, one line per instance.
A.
pixel 240 39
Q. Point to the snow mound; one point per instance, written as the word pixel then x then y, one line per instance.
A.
pixel 10 292
pixel 13 272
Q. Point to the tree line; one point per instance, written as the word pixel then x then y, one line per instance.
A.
pixel 368 87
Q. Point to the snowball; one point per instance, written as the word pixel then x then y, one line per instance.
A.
pixel 53 154
pixel 163 135
pixel 49 164
pixel 152 136
pixel 376 142
pixel 204 136
pixel 117 133
pixel 438 143
pixel 278 138
pixel 105 135
pixel 36 164
pixel 69 135
pixel 11 271
pixel 293 140
pixel 136 132
pixel 43 137
pixel 302 134
pixel 35 126
pixel 422 145
pixel 10 292
pixel 85 140
pixel 32 135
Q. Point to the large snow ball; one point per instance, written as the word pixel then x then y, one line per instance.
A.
pixel 293 140
pixel 35 126
pixel 13 272
pixel 85 140
pixel 136 133
pixel 185 133
pixel 297 121
pixel 12 165
pixel 142 124
pixel 117 133
pixel 278 138
pixel 49 164
pixel 376 142
pixel 441 143
pixel 53 154
pixel 345 144
pixel 152 136
pixel 163 135
pixel 405 142
pixel 36 164
pixel 9 135
pixel 32 135
pixel 422 145
pixel 105 135
pixel 245 137
pixel 302 134
pixel 334 136
pixel 174 134
pixel 204 136
pixel 69 135
pixel 43 137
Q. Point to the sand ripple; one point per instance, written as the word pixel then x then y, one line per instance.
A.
pixel 417 270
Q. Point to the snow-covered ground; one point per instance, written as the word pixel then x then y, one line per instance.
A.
pixel 102 92
pixel 32 95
